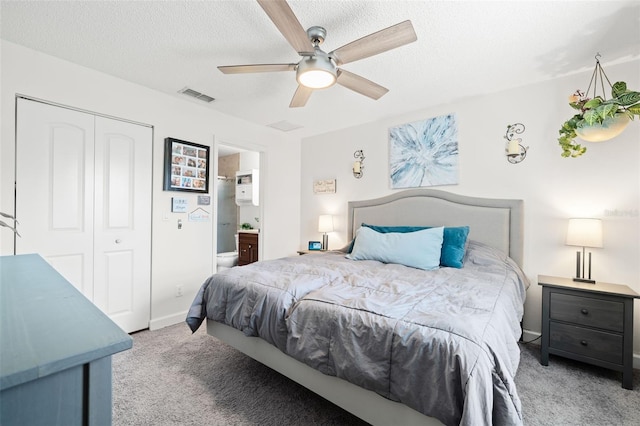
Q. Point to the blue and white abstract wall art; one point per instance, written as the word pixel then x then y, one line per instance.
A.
pixel 424 153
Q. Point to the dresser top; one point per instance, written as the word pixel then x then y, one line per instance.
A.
pixel 598 287
pixel 46 324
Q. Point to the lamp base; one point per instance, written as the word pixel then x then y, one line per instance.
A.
pixel 584 280
pixel 325 242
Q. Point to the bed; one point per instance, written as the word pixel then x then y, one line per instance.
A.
pixel 390 343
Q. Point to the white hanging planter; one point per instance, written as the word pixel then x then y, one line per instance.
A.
pixel 608 129
pixel 598 119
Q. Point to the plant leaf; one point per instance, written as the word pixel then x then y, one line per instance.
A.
pixel 607 110
pixel 629 98
pixel 593 103
pixel 6 215
pixel 618 88
pixel 591 117
pixel 634 110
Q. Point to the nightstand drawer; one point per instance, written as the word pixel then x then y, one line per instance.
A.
pixel 582 341
pixel 587 311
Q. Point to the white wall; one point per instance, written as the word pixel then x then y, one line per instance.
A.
pixel 604 183
pixel 186 256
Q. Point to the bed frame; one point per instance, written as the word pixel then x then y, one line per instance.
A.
pixel 496 222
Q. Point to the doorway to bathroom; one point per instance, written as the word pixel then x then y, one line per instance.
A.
pixel 236 212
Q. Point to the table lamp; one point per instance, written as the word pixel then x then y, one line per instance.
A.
pixel 584 233
pixel 325 224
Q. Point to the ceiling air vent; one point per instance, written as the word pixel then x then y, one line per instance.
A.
pixel 196 94
pixel 285 126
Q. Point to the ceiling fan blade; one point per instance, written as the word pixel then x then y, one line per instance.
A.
pixel 361 85
pixel 378 42
pixel 242 69
pixel 301 97
pixel 287 23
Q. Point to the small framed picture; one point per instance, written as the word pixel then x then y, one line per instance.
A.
pixel 315 245
pixel 186 166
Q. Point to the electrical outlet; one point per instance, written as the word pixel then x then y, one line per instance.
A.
pixel 179 290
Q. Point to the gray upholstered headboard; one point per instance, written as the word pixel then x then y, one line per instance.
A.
pixel 496 222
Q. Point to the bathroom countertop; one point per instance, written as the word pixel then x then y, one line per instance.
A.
pixel 249 231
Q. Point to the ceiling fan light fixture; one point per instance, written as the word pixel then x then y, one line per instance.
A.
pixel 316 72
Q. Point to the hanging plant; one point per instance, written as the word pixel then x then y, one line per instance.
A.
pixel 599 119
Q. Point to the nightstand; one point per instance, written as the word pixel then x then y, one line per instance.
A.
pixel 592 323
pixel 301 252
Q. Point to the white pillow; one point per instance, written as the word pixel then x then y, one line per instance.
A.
pixel 419 249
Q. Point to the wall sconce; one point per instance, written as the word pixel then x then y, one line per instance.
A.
pixel 584 233
pixel 325 224
pixel 515 151
pixel 358 165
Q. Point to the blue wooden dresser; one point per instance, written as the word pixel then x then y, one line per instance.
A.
pixel 55 348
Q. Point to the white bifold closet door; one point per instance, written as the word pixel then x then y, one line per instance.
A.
pixel 83 200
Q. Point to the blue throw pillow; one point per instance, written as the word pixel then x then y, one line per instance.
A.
pixel 454 243
pixel 454 246
pixel 419 249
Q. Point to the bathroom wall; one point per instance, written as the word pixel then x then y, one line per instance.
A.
pixel 228 165
pixel 248 213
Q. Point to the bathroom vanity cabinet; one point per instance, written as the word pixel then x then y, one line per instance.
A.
pixel 247 248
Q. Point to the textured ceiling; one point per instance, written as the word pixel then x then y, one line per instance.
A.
pixel 464 48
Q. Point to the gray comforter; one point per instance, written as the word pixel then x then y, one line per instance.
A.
pixel 443 342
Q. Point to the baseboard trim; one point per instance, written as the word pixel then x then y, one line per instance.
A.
pixel 166 321
pixel 528 335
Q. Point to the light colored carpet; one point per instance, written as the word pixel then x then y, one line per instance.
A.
pixel 171 377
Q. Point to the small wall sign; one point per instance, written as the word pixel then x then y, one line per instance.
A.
pixel 199 215
pixel 326 186
pixel 179 205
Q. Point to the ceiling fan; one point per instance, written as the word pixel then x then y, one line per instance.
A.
pixel 317 69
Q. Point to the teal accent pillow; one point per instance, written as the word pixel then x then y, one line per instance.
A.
pixel 454 243
pixel 454 246
pixel 419 249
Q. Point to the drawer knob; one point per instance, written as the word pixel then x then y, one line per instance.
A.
pixel 584 311
pixel 583 342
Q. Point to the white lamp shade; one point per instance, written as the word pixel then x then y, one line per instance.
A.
pixel 325 223
pixel 584 233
